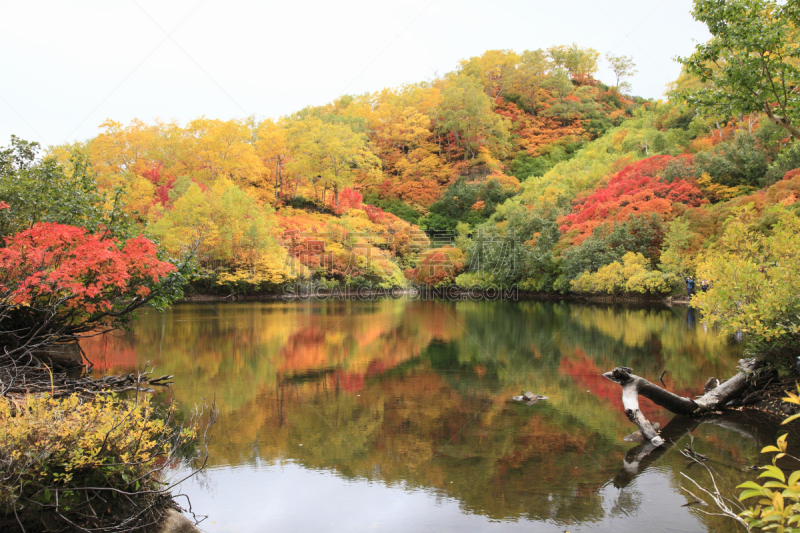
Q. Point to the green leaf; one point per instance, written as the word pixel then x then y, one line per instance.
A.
pixel 749 494
pixel 749 485
pixel 773 472
pixel 775 485
pixel 47 495
pixel 793 478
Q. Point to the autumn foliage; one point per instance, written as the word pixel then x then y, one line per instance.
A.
pixel 438 266
pixel 636 190
pixel 78 280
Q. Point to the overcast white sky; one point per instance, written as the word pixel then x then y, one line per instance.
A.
pixel 67 66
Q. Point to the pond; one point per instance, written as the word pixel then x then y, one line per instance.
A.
pixel 395 415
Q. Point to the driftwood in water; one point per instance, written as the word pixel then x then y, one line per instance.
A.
pixel 634 386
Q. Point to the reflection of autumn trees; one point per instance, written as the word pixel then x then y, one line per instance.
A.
pixel 210 345
pixel 417 392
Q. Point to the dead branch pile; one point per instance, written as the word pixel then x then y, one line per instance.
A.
pixel 20 377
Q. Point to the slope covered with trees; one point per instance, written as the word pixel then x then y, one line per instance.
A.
pixel 514 169
pixel 359 190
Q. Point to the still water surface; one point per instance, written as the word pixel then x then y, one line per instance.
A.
pixel 394 415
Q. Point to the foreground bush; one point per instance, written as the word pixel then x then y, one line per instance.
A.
pixel 99 463
pixel 778 507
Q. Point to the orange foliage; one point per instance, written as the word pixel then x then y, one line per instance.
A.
pixel 438 265
pixel 535 132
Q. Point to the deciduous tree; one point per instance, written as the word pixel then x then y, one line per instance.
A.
pixel 752 60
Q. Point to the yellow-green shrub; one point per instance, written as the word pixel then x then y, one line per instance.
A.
pixel 633 275
pixel 55 450
pixel 754 275
pixel 778 507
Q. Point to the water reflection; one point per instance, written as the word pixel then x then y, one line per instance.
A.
pixel 403 407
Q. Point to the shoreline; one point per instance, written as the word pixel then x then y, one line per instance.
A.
pixel 442 294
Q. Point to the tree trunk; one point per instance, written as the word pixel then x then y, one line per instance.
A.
pixel 633 386
pixel 782 122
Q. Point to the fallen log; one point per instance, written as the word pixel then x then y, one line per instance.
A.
pixel 634 386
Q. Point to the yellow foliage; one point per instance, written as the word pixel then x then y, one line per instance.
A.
pixel 62 444
pixel 139 194
pixel 754 277
pixel 633 275
pixel 507 182
pixel 270 268
pixel 225 225
pixel 716 191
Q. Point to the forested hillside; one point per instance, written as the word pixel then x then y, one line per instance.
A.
pixel 514 169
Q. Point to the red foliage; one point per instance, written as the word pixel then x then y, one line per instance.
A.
pixel 84 272
pixel 162 178
pixel 635 190
pixel 788 177
pixel 437 265
pixel 162 194
pixel 349 198
pixel 307 249
pixel 375 214
pixel 153 172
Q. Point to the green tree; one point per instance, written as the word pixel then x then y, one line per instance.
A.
pixel 579 62
pixel 752 60
pixel 623 67
pixel 639 234
pixel 42 190
pixel 560 86
pixel 520 251
pixel 460 203
pixel 531 76
pixel 732 163
pixel 467 114
pixel 496 70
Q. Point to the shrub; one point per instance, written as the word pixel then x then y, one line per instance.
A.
pixel 639 234
pixel 778 506
pixel 438 267
pixel 58 281
pixel 633 275
pixel 754 275
pixel 59 455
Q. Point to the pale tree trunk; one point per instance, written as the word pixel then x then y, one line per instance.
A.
pixel 782 122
